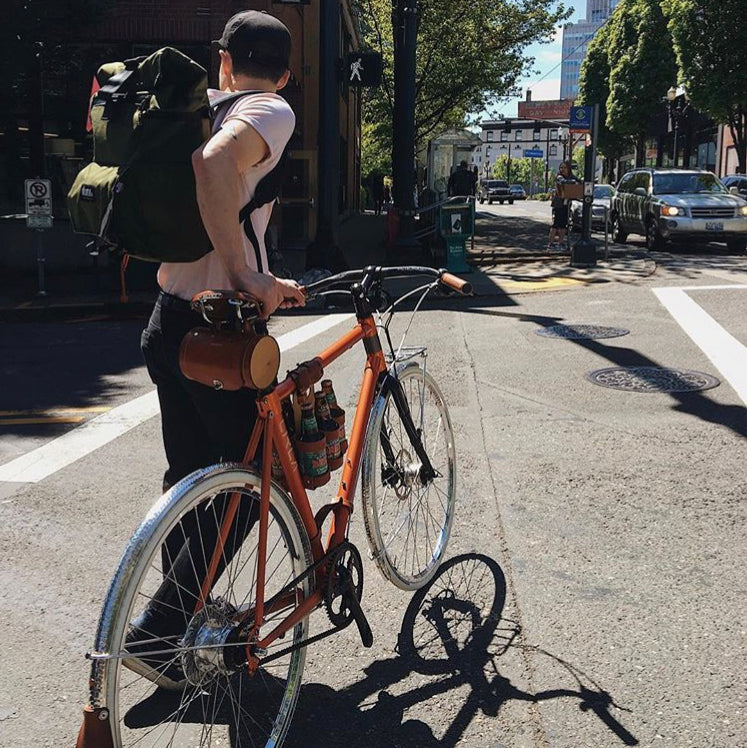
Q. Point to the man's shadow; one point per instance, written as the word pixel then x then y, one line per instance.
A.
pixel 454 632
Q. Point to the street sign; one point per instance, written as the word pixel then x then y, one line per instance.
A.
pixel 533 153
pixel 39 222
pixel 38 203
pixel 363 69
pixel 580 119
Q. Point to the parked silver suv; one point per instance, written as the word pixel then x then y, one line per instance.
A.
pixel 678 205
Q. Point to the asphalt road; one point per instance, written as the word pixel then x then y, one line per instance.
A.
pixel 600 533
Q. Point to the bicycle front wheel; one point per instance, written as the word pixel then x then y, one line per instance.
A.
pixel 408 521
pixel 177 676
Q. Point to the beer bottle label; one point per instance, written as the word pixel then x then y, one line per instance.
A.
pixel 314 464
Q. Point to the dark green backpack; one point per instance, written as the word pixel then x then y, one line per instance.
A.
pixel 138 195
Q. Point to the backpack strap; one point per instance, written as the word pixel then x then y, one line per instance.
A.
pixel 268 188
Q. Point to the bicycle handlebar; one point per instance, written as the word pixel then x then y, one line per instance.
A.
pixel 371 275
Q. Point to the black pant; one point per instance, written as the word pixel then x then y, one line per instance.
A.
pixel 201 427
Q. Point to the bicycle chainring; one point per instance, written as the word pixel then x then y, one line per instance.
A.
pixel 346 572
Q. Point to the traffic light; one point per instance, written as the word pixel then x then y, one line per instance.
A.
pixel 363 69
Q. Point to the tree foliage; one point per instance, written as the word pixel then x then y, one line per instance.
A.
pixel 520 170
pixel 642 68
pixel 471 54
pixel 594 88
pixel 709 41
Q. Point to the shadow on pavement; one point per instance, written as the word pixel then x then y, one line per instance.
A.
pixel 454 633
pixel 696 404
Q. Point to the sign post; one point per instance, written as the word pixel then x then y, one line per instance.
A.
pixel 39 218
pixel 584 251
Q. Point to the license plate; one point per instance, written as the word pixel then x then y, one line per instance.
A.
pixel 714 226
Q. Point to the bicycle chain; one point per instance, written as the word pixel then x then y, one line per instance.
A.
pixel 290 586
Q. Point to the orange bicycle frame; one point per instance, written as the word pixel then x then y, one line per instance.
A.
pixel 271 425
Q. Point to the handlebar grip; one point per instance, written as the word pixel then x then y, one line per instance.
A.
pixel 452 281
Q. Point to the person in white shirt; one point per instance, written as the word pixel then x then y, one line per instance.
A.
pixel 202 426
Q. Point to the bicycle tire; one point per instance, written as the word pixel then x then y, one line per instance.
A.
pixel 213 707
pixel 386 510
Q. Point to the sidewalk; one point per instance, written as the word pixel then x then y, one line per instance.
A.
pixel 508 250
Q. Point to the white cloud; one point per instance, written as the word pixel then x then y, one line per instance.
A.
pixel 546 89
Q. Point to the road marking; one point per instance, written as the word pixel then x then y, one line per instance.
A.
pixel 37 420
pixel 542 284
pixel 727 354
pixel 42 462
pixel 56 411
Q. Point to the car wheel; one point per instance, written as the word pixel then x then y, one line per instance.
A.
pixel 490 202
pixel 654 240
pixel 737 245
pixel 482 200
pixel 510 202
pixel 500 202
pixel 618 235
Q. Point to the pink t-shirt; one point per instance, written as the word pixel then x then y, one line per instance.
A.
pixel 271 116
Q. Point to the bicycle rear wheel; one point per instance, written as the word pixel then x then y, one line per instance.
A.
pixel 211 698
pixel 408 521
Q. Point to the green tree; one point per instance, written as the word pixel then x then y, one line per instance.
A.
pixel 470 55
pixel 642 68
pixel 709 41
pixel 520 170
pixel 594 88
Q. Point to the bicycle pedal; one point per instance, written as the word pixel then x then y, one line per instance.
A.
pixel 359 617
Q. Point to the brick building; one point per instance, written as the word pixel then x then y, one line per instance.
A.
pixel 130 28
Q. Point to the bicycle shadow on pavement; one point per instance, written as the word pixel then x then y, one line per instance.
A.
pixel 452 636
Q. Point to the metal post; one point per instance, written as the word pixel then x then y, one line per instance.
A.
pixel 324 251
pixel 40 259
pixel 405 17
pixel 547 155
pixel 584 253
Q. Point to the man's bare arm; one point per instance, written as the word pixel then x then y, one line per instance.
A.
pixel 217 166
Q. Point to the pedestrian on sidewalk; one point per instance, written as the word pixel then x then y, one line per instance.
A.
pixel 559 206
pixel 461 182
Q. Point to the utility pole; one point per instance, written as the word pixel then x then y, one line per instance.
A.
pixel 324 251
pixel 405 17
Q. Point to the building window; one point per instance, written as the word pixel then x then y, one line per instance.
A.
pixel 553 150
pixel 554 134
pixel 490 136
pixel 536 135
pixel 504 135
pixel 518 135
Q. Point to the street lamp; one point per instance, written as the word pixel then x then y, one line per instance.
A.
pixel 563 136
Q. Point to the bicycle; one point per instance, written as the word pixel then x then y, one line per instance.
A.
pixel 242 584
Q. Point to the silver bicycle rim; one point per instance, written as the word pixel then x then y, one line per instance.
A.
pixel 216 709
pixel 408 527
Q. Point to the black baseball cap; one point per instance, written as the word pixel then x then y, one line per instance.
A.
pixel 257 36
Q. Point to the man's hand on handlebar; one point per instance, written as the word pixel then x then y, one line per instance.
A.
pixel 273 293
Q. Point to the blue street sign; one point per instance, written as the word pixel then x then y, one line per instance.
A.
pixel 580 119
pixel 533 153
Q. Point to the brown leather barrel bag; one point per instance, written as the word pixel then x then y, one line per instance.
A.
pixel 228 359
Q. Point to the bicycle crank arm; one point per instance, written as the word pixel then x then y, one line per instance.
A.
pixel 351 600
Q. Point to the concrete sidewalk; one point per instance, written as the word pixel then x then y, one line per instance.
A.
pixel 508 250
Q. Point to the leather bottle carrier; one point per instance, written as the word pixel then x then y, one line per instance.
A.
pixel 230 354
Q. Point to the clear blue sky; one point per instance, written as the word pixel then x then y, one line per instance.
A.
pixel 546 67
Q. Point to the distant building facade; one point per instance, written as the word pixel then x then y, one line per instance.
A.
pixel 576 38
pixel 514 137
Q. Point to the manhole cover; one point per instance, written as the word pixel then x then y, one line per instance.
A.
pixel 582 332
pixel 652 379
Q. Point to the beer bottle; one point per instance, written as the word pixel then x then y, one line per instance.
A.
pixel 328 390
pixel 311 445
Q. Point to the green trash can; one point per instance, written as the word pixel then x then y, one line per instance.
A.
pixel 457 224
